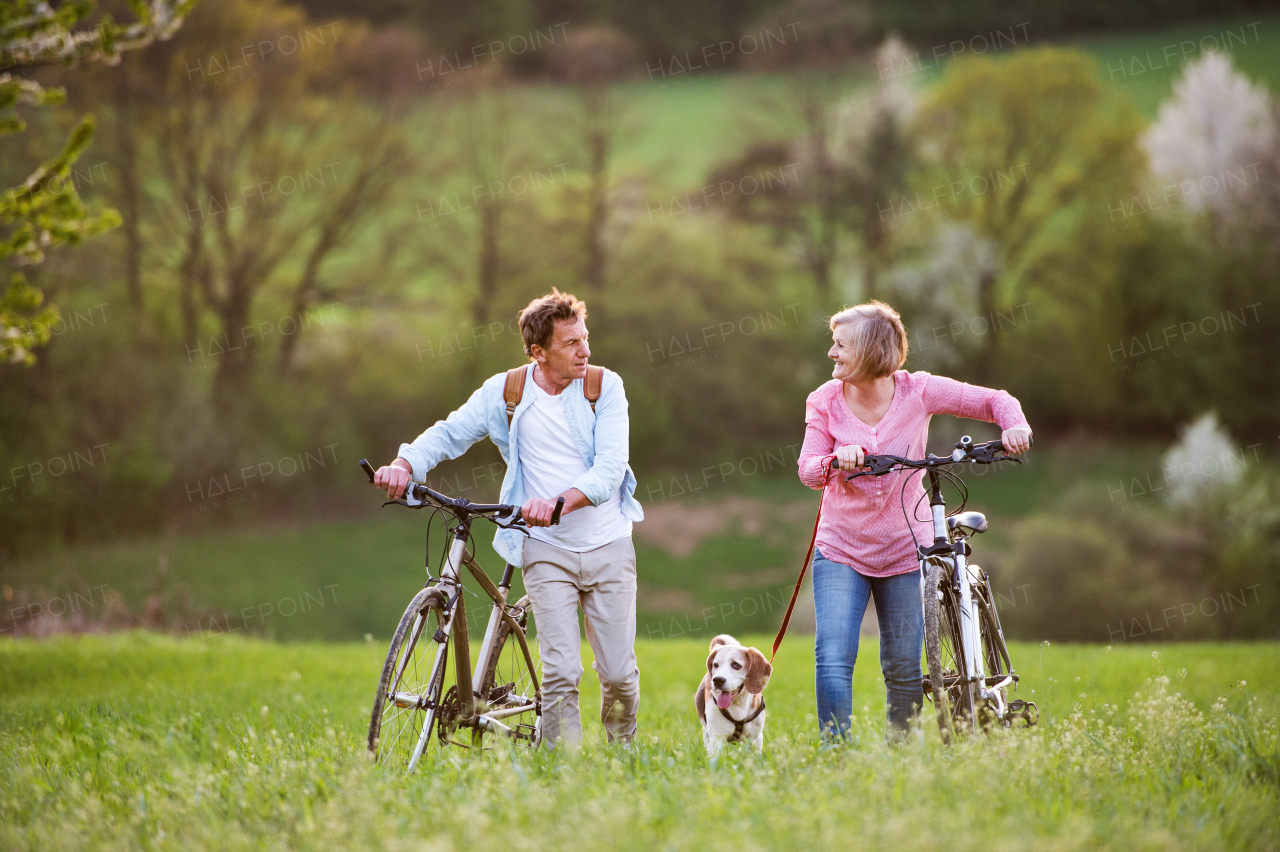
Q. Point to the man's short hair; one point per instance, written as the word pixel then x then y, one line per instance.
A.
pixel 538 319
pixel 879 339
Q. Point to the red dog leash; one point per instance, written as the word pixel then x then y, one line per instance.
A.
pixel 786 619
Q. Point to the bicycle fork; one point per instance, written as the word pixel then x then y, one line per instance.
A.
pixel 450 576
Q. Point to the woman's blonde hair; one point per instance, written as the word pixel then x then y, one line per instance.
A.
pixel 879 339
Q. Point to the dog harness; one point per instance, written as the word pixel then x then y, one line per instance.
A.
pixel 738 726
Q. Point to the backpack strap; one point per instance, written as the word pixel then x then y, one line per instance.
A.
pixel 592 385
pixel 514 390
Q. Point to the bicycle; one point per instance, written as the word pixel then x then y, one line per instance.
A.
pixel 969 670
pixel 502 695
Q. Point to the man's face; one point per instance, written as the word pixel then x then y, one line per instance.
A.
pixel 565 356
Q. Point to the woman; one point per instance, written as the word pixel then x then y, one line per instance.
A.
pixel 864 546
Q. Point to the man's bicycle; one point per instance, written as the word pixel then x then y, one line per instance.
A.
pixel 969 668
pixel 417 697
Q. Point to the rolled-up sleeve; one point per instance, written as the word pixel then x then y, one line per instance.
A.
pixel 818 444
pixel 448 438
pixel 948 396
pixel 612 443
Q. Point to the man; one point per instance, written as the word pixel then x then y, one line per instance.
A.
pixel 558 443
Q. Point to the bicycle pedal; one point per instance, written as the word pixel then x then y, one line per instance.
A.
pixel 1026 710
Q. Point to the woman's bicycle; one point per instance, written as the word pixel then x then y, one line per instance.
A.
pixel 417 697
pixel 968 660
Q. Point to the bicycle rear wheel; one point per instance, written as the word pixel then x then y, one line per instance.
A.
pixel 510 688
pixel 952 695
pixel 408 697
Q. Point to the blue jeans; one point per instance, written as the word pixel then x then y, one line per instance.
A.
pixel 840 596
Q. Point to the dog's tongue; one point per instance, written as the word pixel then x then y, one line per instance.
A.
pixel 724 699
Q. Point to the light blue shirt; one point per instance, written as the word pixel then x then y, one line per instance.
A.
pixel 602 437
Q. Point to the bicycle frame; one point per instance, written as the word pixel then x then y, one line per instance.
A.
pixel 949 551
pixel 454 617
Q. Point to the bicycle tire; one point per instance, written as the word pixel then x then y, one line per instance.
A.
pixel 406 732
pixel 503 677
pixel 954 704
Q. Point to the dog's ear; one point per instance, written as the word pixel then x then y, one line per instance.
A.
pixel 723 639
pixel 758 671
pixel 711 658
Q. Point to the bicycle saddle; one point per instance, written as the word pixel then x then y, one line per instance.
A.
pixel 968 523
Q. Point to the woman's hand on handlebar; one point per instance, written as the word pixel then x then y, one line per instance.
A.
pixel 1016 440
pixel 393 478
pixel 850 457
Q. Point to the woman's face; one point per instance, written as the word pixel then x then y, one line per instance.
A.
pixel 841 352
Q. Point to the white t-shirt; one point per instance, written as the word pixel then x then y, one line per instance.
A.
pixel 550 464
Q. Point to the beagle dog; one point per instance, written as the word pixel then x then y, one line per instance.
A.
pixel 732 687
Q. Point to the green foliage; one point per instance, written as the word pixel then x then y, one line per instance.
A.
pixel 1090 571
pixel 133 740
pixel 1028 151
pixel 45 210
pixel 1133 568
pixel 1242 524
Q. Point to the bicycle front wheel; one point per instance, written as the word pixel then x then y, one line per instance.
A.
pixel 952 694
pixel 408 698
pixel 509 691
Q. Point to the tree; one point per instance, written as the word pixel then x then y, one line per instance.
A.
pixel 262 187
pixel 1214 152
pixel 593 60
pixel 45 210
pixel 817 43
pixel 873 152
pixel 1213 141
pixel 1030 153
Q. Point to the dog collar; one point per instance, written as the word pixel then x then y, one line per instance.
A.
pixel 739 725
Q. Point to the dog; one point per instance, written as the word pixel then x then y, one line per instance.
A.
pixel 732 688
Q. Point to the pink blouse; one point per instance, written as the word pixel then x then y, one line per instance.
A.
pixel 862 523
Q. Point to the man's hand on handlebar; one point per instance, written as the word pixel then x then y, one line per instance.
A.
pixel 1016 440
pixel 538 512
pixel 393 478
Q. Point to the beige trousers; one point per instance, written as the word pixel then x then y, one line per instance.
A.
pixel 603 583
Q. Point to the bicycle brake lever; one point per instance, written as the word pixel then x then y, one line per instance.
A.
pixel 873 470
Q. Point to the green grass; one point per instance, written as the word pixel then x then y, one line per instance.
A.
pixel 136 741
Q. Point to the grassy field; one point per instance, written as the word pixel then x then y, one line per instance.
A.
pixel 136 741
pixel 674 131
pixel 677 129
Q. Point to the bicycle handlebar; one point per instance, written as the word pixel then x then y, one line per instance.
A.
pixel 421 493
pixel 966 452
